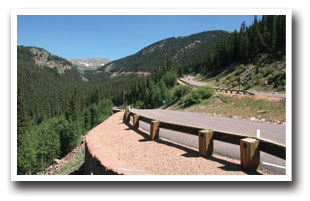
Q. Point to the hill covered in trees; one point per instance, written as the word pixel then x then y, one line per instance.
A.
pixel 263 44
pixel 265 38
pixel 55 108
pixel 180 50
pixel 57 105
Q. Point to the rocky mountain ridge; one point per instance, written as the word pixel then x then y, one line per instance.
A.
pixel 43 58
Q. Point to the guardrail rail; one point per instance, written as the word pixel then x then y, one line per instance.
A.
pixel 250 146
pixel 236 91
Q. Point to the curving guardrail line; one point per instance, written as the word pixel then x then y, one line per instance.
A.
pixel 245 92
pixel 249 145
pixel 236 91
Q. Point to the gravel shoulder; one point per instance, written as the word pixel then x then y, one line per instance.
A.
pixel 129 151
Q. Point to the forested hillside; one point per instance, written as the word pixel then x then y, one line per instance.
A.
pixel 54 110
pixel 265 38
pixel 180 50
pixel 263 43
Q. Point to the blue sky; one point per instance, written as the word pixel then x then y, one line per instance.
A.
pixel 114 37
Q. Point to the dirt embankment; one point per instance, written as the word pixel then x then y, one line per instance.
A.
pixel 60 163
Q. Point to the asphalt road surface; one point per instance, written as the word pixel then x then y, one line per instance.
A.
pixel 190 80
pixel 269 131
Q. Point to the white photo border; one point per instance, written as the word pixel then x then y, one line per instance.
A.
pixel 198 11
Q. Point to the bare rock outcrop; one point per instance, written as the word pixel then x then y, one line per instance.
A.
pixel 44 59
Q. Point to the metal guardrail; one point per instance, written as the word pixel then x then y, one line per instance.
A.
pixel 264 145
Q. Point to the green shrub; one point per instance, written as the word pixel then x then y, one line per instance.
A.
pixel 269 77
pixel 232 79
pixel 252 76
pixel 240 69
pixel 198 95
pixel 181 91
pixel 278 75
pixel 138 104
pixel 259 75
pixel 235 83
pixel 238 72
pixel 269 70
pixel 248 85
pixel 170 79
pixel 279 87
pixel 263 71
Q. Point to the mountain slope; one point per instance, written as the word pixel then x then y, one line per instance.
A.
pixel 43 58
pixel 179 50
pixel 45 79
pixel 85 64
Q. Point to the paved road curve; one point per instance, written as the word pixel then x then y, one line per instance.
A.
pixel 190 80
pixel 273 132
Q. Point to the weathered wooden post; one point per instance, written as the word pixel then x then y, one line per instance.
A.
pixel 249 154
pixel 136 121
pixel 205 142
pixel 126 117
pixel 154 131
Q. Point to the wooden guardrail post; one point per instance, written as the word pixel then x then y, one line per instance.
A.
pixel 154 131
pixel 126 117
pixel 249 154
pixel 136 121
pixel 205 142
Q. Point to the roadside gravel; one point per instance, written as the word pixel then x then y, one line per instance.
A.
pixel 120 147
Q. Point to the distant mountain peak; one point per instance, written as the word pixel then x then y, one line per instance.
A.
pixel 89 63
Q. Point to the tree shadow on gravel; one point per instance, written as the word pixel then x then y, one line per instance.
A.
pixel 227 166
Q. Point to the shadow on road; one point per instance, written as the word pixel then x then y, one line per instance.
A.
pixel 227 166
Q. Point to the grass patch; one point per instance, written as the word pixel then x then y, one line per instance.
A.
pixel 244 107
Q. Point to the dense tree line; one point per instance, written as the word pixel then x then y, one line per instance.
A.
pixel 266 37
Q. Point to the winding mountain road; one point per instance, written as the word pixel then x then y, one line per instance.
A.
pixel 190 81
pixel 274 132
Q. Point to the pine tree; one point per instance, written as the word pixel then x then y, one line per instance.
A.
pixel 27 154
pixel 23 122
pixel 94 115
